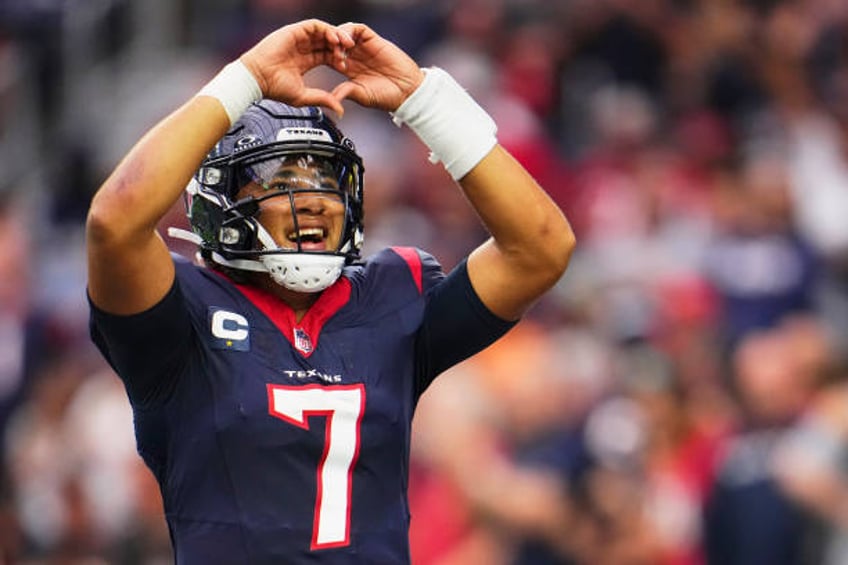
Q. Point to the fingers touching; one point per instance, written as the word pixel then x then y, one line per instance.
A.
pixel 377 73
pixel 320 97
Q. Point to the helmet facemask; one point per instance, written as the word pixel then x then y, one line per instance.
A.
pixel 299 203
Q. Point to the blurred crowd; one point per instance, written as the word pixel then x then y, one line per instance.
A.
pixel 680 398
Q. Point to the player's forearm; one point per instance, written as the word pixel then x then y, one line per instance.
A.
pixel 154 173
pixel 527 227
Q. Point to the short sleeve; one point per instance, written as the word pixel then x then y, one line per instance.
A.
pixel 456 325
pixel 148 350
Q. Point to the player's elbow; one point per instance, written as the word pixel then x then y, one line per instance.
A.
pixel 552 253
pixel 566 241
pixel 103 223
pixel 111 219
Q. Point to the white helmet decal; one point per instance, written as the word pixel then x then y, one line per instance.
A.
pixel 302 134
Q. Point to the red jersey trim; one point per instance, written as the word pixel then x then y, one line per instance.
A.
pixel 282 315
pixel 413 261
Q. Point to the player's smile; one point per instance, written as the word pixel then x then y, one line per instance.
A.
pixel 319 220
pixel 308 236
pixel 314 233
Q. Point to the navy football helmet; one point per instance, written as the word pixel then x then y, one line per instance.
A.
pixel 267 138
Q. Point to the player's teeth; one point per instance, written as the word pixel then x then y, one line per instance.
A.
pixel 307 232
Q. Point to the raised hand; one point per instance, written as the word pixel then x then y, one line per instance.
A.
pixel 280 60
pixel 380 75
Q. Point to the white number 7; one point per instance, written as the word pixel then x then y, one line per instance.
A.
pixel 343 406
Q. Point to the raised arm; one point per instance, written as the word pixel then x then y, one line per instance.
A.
pixel 531 241
pixel 129 265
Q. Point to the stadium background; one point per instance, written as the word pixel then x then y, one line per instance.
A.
pixel 640 414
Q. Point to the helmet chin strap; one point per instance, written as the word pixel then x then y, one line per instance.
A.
pixel 300 272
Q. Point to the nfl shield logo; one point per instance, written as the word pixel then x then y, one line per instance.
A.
pixel 301 341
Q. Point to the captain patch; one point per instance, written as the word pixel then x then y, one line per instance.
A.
pixel 229 330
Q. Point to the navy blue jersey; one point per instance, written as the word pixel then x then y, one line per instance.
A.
pixel 282 442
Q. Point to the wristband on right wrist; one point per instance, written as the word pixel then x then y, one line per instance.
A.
pixel 235 88
pixel 458 132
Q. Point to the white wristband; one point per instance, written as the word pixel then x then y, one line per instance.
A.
pixel 235 88
pixel 458 132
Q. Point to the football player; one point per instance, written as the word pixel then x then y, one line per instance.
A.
pixel 273 383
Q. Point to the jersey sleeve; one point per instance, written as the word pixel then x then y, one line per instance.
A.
pixel 147 350
pixel 456 325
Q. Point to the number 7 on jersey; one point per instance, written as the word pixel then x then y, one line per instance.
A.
pixel 343 406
